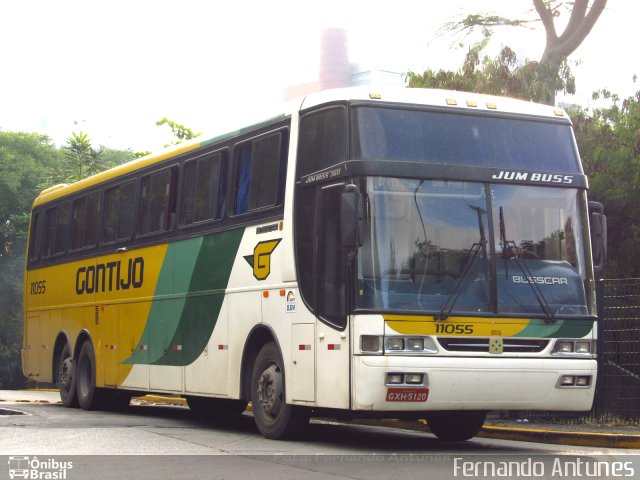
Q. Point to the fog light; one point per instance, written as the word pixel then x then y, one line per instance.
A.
pixel 583 347
pixel 567 380
pixel 395 378
pixel 413 378
pixel 395 343
pixel 370 343
pixel 415 344
pixel 583 381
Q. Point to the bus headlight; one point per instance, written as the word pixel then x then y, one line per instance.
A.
pixel 570 347
pixel 395 343
pixel 409 345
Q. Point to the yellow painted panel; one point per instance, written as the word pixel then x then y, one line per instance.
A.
pixel 464 326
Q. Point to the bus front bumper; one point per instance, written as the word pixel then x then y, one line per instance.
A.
pixel 454 383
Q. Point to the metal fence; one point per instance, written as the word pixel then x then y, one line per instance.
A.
pixel 618 387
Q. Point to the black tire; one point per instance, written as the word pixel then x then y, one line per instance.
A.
pixel 89 397
pixel 455 426
pixel 216 409
pixel 66 377
pixel 273 416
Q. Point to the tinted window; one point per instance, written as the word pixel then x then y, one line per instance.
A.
pixel 305 222
pixel 331 264
pixel 204 182
pixel 260 173
pixel 50 219
pixel 119 205
pixel 84 226
pixel 448 138
pixel 158 201
pixel 35 235
pixel 323 140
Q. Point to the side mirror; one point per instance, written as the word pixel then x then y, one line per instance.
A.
pixel 352 217
pixel 598 226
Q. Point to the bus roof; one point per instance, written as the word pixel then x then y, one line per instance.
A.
pixel 418 96
pixel 435 98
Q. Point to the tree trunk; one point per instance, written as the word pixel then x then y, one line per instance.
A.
pixel 558 48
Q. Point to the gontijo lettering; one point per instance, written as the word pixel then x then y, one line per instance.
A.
pixel 107 277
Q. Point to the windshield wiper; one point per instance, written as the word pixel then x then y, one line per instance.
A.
pixel 469 260
pixel 510 250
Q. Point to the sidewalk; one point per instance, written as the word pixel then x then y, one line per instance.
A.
pixel 587 435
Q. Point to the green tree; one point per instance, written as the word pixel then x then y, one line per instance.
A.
pixel 547 73
pixel 179 131
pixel 501 75
pixel 83 160
pixel 24 159
pixel 78 152
pixel 609 141
pixel 29 163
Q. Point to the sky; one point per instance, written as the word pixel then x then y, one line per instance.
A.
pixel 114 68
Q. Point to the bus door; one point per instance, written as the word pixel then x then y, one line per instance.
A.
pixel 332 342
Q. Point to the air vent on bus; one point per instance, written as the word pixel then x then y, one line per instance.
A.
pixel 510 345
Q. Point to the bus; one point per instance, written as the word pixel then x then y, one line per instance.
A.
pixel 410 253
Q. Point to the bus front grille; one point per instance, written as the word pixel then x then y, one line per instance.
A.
pixel 510 345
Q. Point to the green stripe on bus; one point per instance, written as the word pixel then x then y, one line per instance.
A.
pixel 558 329
pixel 206 294
pixel 197 271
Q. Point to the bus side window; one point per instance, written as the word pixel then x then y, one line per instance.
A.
pixel 158 201
pixel 259 172
pixel 119 214
pixel 204 188
pixel 56 228
pixel 50 219
pixel 35 236
pixel 84 222
pixel 323 140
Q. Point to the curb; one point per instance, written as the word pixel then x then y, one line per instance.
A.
pixel 582 439
pixel 160 400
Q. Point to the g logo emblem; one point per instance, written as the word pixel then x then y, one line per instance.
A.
pixel 260 261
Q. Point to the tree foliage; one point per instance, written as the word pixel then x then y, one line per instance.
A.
pixel 546 71
pixel 24 158
pixel 501 75
pixel 179 131
pixel 29 163
pixel 609 143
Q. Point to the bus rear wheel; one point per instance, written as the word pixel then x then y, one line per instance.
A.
pixel 455 426
pixel 89 396
pixel 273 416
pixel 66 377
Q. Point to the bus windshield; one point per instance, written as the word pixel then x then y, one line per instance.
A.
pixel 425 136
pixel 435 247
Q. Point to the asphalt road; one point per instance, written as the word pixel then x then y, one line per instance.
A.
pixel 168 442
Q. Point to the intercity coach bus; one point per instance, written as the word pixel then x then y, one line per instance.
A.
pixel 400 254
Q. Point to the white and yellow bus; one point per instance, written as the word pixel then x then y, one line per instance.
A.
pixel 404 254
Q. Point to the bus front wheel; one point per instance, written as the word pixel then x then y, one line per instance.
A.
pixel 273 416
pixel 66 377
pixel 89 396
pixel 455 426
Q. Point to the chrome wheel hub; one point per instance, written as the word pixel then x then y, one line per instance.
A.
pixel 270 390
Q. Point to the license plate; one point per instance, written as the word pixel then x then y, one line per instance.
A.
pixel 407 394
